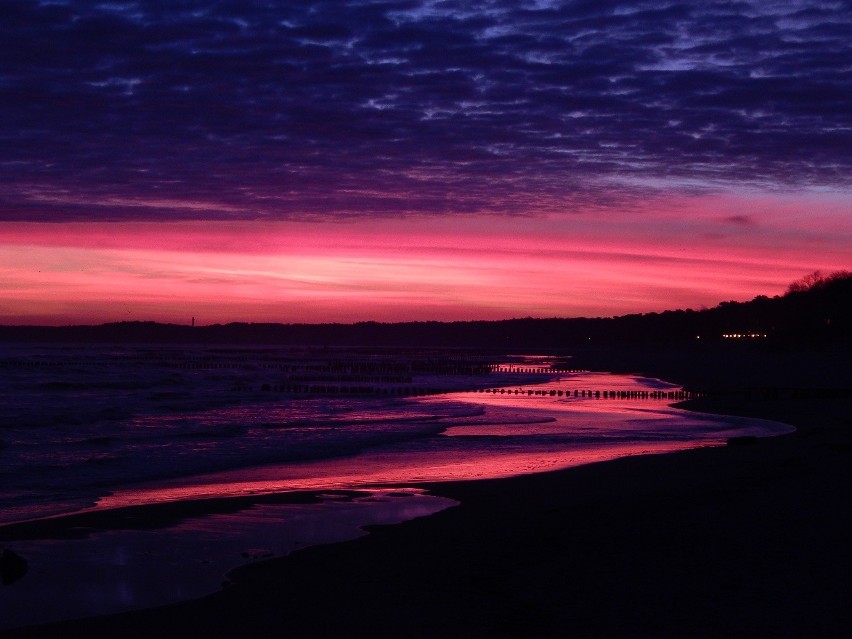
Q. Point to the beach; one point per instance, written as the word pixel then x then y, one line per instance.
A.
pixel 750 539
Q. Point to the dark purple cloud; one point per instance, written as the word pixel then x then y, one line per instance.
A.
pixel 739 220
pixel 243 108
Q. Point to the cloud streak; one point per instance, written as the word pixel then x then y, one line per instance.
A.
pixel 400 269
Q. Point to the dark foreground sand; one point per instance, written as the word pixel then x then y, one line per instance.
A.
pixel 753 540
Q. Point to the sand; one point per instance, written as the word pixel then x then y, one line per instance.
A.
pixel 744 540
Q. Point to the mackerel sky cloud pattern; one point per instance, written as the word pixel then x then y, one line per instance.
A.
pixel 283 110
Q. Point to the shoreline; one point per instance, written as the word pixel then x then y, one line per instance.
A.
pixel 737 540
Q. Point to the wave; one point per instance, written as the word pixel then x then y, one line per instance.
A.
pixel 95 421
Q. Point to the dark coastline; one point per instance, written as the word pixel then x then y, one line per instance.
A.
pixel 817 315
pixel 747 540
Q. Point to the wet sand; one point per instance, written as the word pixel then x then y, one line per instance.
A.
pixel 749 540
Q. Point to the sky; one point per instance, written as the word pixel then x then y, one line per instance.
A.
pixel 398 160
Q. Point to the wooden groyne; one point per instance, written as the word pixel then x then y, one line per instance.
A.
pixel 677 395
pixel 410 390
pixel 535 370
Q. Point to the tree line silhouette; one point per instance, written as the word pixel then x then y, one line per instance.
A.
pixel 815 310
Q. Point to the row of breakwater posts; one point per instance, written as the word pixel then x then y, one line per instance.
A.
pixel 676 395
pixel 357 375
pixel 535 370
pixel 415 391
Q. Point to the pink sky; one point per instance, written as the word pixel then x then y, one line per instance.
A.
pixel 674 253
pixel 322 162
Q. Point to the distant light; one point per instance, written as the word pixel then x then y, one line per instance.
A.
pixel 743 335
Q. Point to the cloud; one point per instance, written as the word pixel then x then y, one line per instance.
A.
pixel 739 220
pixel 297 109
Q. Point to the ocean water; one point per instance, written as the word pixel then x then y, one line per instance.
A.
pixel 86 427
pixel 76 422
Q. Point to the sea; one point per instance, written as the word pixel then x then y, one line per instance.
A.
pixel 244 434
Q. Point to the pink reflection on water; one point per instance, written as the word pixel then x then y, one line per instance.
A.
pixel 507 435
pixel 377 470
